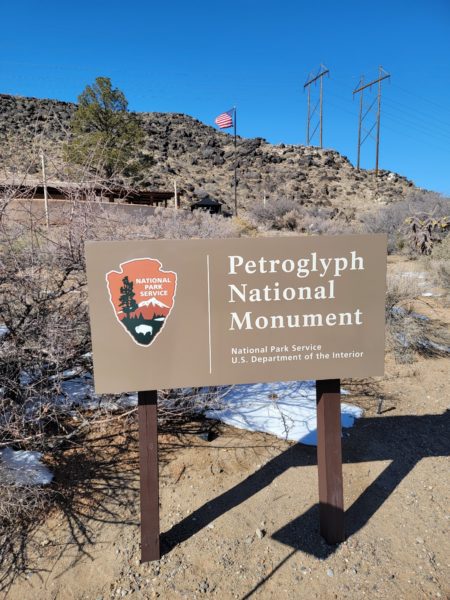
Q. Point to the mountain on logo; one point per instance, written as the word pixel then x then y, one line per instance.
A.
pixel 153 302
pixel 151 308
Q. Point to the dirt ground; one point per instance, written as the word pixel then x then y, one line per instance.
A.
pixel 239 514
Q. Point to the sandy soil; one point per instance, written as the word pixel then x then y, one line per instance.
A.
pixel 239 515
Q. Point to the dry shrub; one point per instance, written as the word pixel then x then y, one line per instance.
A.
pixel 21 510
pixel 401 290
pixel 438 265
pixel 44 304
pixel 291 215
pixel 276 213
pixel 245 226
pixel 43 312
pixel 175 224
pixel 407 332
pixel 326 222
pixel 402 329
pixel 392 219
pixel 424 231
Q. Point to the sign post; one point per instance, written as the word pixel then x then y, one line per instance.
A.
pixel 193 313
pixel 329 460
pixel 149 476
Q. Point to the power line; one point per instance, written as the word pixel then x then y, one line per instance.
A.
pixel 433 142
pixel 414 115
pixel 417 139
pixel 422 128
pixel 399 116
pixel 404 90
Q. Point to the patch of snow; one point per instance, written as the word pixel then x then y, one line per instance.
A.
pixel 401 337
pixel 430 345
pixel 68 374
pixel 26 378
pixel 79 392
pixel 284 409
pixel 417 274
pixel 23 467
pixel 422 283
pixel 400 311
pixel 419 317
pixel 424 343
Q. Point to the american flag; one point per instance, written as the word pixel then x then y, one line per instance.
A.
pixel 225 120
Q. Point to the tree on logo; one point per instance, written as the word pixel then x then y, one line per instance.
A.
pixel 126 299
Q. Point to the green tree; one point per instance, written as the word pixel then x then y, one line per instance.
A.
pixel 105 136
pixel 126 299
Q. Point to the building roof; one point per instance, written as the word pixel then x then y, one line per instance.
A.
pixel 207 202
pixel 31 186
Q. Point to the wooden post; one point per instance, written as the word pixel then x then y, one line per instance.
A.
pixel 329 460
pixel 148 466
pixel 44 183
pixel 175 191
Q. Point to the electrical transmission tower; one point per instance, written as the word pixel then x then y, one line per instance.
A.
pixel 319 104
pixel 382 74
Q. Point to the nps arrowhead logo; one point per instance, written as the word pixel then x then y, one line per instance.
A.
pixel 142 296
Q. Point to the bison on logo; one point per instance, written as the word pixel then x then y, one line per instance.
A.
pixel 142 296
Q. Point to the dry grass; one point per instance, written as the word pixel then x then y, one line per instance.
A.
pixel 438 266
pixel 407 332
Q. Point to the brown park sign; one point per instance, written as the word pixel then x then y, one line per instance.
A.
pixel 181 313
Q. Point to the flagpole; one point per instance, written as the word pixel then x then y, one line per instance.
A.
pixel 235 166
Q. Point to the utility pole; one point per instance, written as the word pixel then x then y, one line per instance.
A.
pixel 44 182
pixel 382 75
pixel 319 104
pixel 235 162
pixel 361 103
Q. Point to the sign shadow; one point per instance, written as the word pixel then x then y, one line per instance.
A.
pixel 402 440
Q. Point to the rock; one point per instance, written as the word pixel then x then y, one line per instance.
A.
pixel 208 152
pixel 260 533
pixel 206 436
pixel 304 570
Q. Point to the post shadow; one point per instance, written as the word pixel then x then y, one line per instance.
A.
pixel 403 440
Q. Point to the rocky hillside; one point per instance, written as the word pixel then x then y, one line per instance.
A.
pixel 200 158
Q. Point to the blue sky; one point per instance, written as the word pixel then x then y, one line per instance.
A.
pixel 201 58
